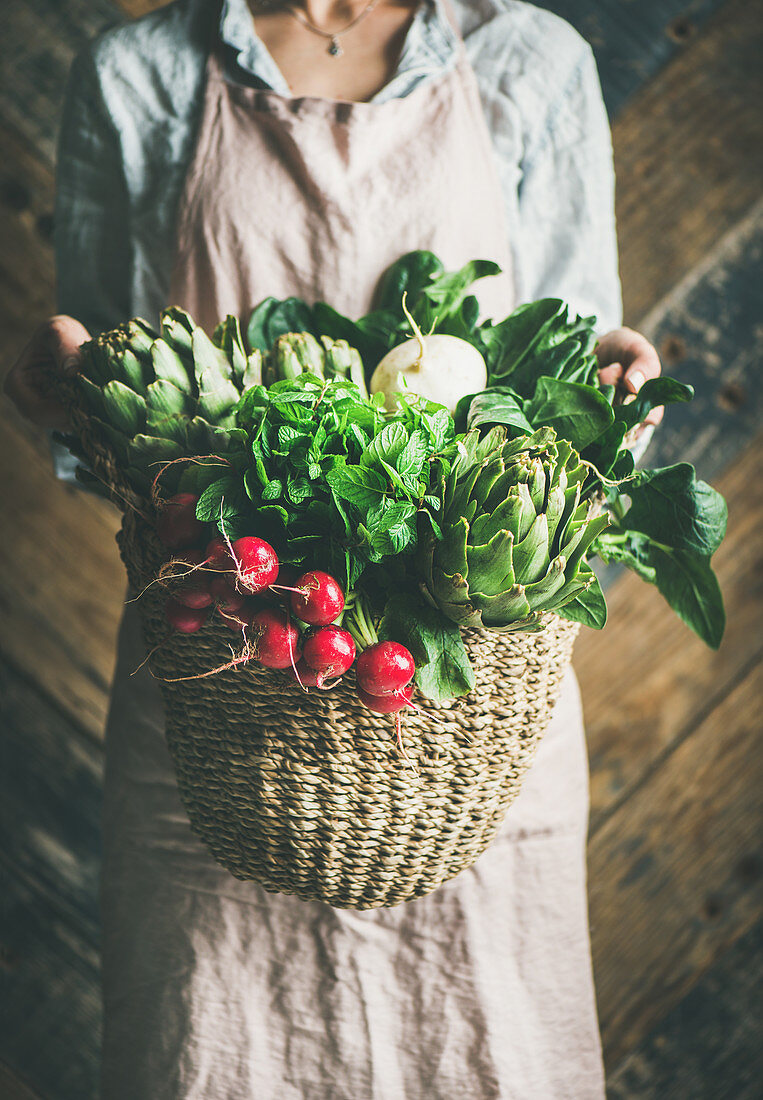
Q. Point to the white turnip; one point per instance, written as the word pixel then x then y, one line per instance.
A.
pixel 438 367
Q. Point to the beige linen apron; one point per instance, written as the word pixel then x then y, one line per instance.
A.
pixel 214 989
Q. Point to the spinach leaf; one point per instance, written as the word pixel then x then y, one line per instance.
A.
pixel 408 275
pixel 273 318
pixel 676 509
pixel 588 608
pixel 654 392
pixel 446 293
pixel 499 405
pixel 443 669
pixel 510 341
pixel 685 579
pixel 576 412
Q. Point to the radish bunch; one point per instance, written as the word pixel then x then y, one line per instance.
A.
pixel 287 618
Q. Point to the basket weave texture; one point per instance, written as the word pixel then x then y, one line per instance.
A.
pixel 309 794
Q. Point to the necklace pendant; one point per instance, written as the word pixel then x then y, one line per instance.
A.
pixel 335 48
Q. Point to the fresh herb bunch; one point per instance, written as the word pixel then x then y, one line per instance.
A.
pixel 327 476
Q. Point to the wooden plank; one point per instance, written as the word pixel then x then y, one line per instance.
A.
pixel 633 41
pixel 710 1045
pixel 675 871
pixel 689 155
pixel 49 924
pixel 62 585
pixel 645 679
pixel 26 257
pixel 51 806
pixel 709 334
pixel 50 1007
pixel 13 1088
pixel 40 39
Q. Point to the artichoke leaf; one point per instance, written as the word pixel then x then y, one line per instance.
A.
pixel 210 365
pixel 132 371
pixel 534 623
pixel 252 375
pixel 531 554
pixel 177 330
pixel 489 566
pixel 540 595
pixel 554 513
pixel 169 367
pixel 164 398
pixel 123 408
pixel 585 537
pixel 451 554
pixel 515 514
pixel 505 608
pixel 227 337
pixel 217 397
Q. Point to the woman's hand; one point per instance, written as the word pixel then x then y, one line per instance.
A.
pixel 627 360
pixel 52 352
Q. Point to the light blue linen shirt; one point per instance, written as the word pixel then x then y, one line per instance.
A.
pixel 133 104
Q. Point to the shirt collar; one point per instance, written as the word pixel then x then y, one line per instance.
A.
pixel 430 48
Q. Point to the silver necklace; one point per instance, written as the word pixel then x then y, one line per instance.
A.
pixel 335 46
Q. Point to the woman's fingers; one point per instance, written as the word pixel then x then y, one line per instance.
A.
pixel 627 360
pixel 31 381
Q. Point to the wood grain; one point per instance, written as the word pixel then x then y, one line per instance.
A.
pixel 13 1088
pixel 646 680
pixel 49 924
pixel 26 255
pixel 61 581
pixel 689 155
pixel 709 1047
pixel 675 873
pixel 633 41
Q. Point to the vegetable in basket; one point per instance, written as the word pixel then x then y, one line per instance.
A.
pixel 476 500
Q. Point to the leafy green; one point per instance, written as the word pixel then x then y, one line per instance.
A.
pixel 673 507
pixel 443 669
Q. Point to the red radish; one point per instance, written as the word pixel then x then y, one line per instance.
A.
pixel 186 620
pixel 256 561
pixel 306 676
pixel 277 638
pixel 176 524
pixel 386 704
pixel 284 583
pixel 318 599
pixel 384 668
pixel 225 595
pixel 217 555
pixel 195 593
pixel 329 650
pixel 239 618
pixel 189 558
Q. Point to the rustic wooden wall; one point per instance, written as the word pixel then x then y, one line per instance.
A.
pixel 674 731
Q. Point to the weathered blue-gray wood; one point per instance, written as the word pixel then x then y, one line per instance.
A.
pixel 710 1047
pixel 49 820
pixel 632 39
pixel 710 335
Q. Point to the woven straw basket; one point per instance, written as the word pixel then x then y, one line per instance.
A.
pixel 308 794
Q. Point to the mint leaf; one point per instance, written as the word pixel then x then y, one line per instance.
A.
pixel 413 456
pixel 357 484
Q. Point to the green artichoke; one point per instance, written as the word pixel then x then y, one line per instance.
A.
pixel 297 353
pixel 514 532
pixel 158 396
